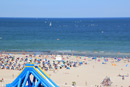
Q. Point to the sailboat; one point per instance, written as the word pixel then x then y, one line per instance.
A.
pixel 50 24
pixel 0 38
pixel 102 32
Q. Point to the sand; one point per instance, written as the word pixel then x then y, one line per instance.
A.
pixel 86 75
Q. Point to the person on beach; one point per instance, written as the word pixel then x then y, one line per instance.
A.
pixel 123 77
pixel 13 75
pixel 2 79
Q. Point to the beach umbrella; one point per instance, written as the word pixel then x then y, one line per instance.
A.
pixel 119 59
pixel 68 67
pixel 38 59
pixel 26 59
pixel 113 64
pixel 102 57
pixel 7 67
pixel 46 62
pixel 93 58
pixel 45 59
pixel 126 65
pixel 81 63
pixel 98 60
pixel 106 60
pixel 63 65
pixel 115 58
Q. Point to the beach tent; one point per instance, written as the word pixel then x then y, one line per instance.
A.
pixel 106 82
pixel 58 57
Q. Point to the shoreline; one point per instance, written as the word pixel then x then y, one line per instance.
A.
pixel 73 53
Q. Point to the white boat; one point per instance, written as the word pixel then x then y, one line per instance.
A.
pixel 102 32
pixel 0 38
pixel 57 39
pixel 50 24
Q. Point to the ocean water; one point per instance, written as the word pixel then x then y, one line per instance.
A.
pixel 89 36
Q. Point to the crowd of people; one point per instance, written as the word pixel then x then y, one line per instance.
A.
pixel 10 62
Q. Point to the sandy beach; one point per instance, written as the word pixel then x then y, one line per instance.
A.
pixel 88 72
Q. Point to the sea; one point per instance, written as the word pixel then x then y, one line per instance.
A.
pixel 79 36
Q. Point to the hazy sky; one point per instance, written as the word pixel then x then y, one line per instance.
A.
pixel 65 8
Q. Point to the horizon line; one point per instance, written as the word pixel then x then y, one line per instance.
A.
pixel 65 17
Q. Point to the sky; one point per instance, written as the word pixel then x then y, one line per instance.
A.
pixel 65 8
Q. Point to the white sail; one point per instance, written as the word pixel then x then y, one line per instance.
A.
pixel 50 24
